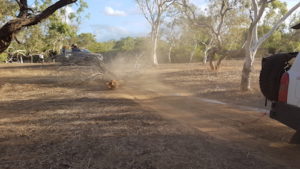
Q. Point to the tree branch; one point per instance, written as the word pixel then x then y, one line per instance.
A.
pixel 23 8
pixel 266 36
pixel 24 20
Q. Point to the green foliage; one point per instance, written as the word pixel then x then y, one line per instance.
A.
pixel 51 34
pixel 61 28
pixel 3 57
pixel 282 6
pixel 85 40
pixel 125 44
pixel 8 8
pixel 82 6
pixel 101 47
pixel 276 10
pixel 279 41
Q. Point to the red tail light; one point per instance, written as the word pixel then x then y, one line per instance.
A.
pixel 284 88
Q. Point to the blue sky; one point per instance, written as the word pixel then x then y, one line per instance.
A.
pixel 114 19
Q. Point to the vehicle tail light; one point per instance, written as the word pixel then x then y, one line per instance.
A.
pixel 284 87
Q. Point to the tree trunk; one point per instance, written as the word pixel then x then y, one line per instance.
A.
pixel 247 68
pixel 154 56
pixel 205 55
pixel 21 59
pixel 207 48
pixel 245 82
pixel 169 53
pixel 5 42
pixel 211 54
pixel 193 52
pixel 212 65
pixel 253 42
pixel 218 65
pixel 154 38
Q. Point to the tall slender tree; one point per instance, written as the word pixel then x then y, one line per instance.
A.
pixel 214 22
pixel 154 11
pixel 253 42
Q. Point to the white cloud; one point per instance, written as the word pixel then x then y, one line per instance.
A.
pixel 112 12
pixel 106 32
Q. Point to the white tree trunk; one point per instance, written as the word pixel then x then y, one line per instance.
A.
pixel 193 52
pixel 247 68
pixel 253 42
pixel 153 11
pixel 21 59
pixel 169 53
pixel 207 48
pixel 154 50
pixel 205 56
pixel 154 38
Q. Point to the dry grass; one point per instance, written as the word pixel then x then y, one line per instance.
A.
pixel 223 85
pixel 50 118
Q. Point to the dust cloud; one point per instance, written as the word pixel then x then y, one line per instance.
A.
pixel 131 68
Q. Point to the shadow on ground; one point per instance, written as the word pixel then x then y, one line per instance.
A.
pixel 111 134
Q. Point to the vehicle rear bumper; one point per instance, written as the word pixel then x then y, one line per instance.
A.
pixel 286 114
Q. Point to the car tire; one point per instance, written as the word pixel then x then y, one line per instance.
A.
pixel 272 69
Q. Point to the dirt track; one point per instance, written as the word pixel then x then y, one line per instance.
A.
pixel 48 121
pixel 237 127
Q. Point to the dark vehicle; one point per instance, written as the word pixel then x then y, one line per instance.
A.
pixel 79 57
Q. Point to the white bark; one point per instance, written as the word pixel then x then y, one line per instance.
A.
pixel 172 37
pixel 154 50
pixel 154 40
pixel 205 56
pixel 275 27
pixel 170 53
pixel 253 42
pixel 153 11
pixel 207 48
pixel 21 59
pixel 193 51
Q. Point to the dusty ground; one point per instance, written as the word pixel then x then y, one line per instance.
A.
pixel 55 117
pixel 222 85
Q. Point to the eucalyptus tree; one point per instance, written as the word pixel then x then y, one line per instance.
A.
pixel 154 11
pixel 214 24
pixel 26 17
pixel 197 21
pixel 172 30
pixel 171 38
pixel 258 9
pixel 32 40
